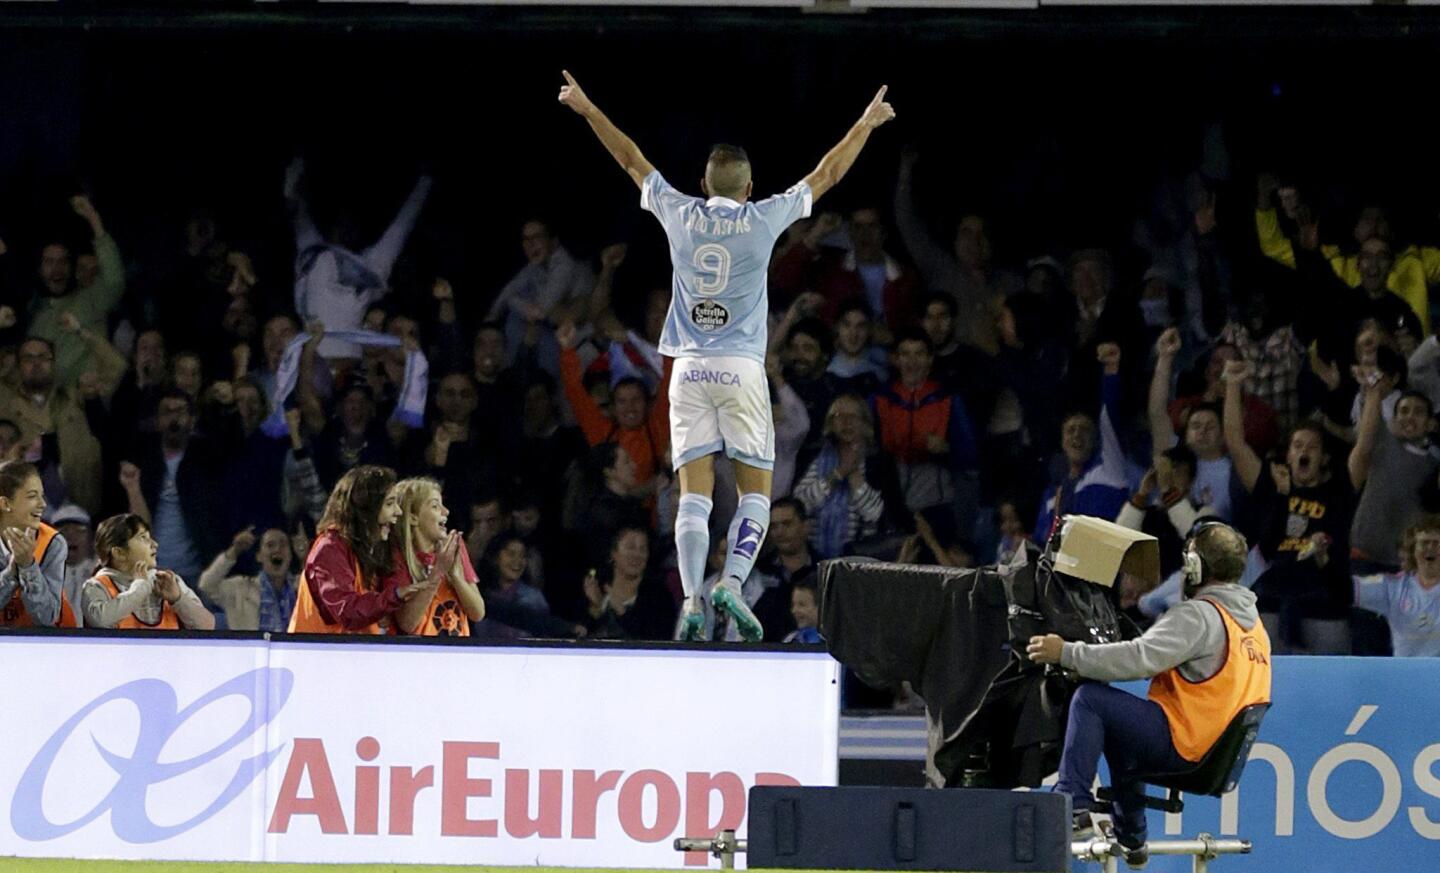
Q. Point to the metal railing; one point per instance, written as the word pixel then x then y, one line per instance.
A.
pixel 1106 852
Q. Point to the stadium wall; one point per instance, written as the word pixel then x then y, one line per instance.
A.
pixel 251 749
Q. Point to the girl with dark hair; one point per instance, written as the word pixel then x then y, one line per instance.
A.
pixel 629 602
pixel 342 586
pixel 129 591
pixel 515 608
pixel 31 554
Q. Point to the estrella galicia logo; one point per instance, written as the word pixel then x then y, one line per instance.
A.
pixel 709 315
pixel 160 718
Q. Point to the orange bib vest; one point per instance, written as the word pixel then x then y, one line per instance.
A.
pixel 14 613
pixel 445 617
pixel 306 619
pixel 168 619
pixel 1199 712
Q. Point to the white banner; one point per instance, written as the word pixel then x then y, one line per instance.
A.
pixel 246 750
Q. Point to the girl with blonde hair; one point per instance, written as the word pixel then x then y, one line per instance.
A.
pixel 429 555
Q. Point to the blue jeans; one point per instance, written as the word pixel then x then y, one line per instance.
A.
pixel 1134 735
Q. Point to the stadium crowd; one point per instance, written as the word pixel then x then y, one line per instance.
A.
pixel 932 404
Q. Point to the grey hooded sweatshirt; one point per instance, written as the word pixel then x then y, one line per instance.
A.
pixel 1190 636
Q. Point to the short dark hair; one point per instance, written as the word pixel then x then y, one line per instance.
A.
pixel 854 304
pixel 727 171
pixel 791 503
pixel 13 475
pixel 724 153
pixel 173 393
pixel 114 532
pixel 1212 408
pixel 915 335
pixel 636 381
pixel 32 338
pixel 816 330
pixel 1181 456
pixel 1409 393
pixel 1392 363
pixel 938 297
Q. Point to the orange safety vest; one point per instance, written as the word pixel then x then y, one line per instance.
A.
pixel 306 619
pixel 15 614
pixel 445 617
pixel 168 619
pixel 1199 712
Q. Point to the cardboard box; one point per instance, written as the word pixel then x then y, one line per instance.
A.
pixel 1098 551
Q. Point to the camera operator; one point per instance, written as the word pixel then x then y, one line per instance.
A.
pixel 1209 657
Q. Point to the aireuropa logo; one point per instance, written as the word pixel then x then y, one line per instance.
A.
pixel 160 717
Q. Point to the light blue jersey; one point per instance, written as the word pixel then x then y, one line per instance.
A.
pixel 720 251
pixel 1412 611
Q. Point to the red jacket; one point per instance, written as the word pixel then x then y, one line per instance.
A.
pixel 837 279
pixel 904 419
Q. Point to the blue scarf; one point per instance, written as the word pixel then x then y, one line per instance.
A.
pixel 275 609
pixel 409 410
pixel 833 518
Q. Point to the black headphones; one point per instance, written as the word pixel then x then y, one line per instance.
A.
pixel 1196 569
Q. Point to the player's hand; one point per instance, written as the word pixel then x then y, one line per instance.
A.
pixel 611 257
pixel 909 550
pixel 442 291
pixel 1236 372
pixel 8 318
pixel 1168 345
pixel 167 585
pixel 1266 184
pixel 1281 474
pixel 1290 202
pixel 567 335
pixel 129 476
pixel 243 542
pixel 69 322
pixel 449 553
pixel 300 542
pixel 1045 649
pixel 21 543
pixel 878 112
pixel 240 358
pixel 1108 354
pixel 1148 483
pixel 571 95
pixel 88 385
pixel 804 306
pixel 86 210
pixel 315 329
pixel 595 598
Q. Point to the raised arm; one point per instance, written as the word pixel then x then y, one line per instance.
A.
pixel 838 160
pixel 1162 431
pixel 1376 388
pixel 621 147
pixel 1247 463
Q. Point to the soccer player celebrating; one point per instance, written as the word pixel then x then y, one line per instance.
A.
pixel 716 331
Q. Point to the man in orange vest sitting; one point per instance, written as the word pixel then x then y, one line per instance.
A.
pixel 1209 657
